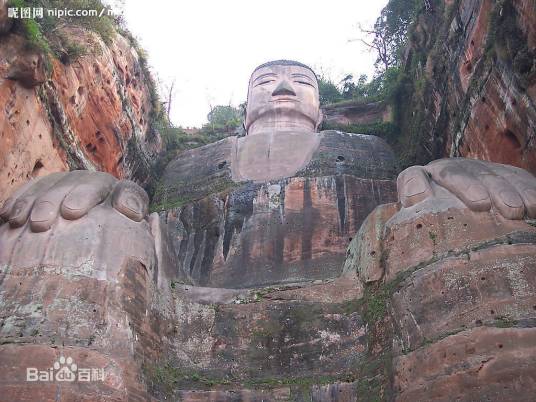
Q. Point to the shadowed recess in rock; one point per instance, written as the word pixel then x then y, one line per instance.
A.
pixel 239 209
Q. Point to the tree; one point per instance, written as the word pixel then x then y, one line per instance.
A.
pixel 224 117
pixel 328 91
pixel 388 37
pixel 352 90
pixel 381 44
pixel 348 86
pixel 170 96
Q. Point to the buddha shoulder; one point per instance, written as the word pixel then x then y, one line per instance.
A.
pixel 196 173
pixel 361 155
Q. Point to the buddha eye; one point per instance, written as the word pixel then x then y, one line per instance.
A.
pixel 264 82
pixel 304 83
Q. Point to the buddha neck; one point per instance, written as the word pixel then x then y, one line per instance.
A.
pixel 291 124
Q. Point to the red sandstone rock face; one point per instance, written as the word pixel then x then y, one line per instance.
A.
pixel 28 146
pixel 478 101
pixel 462 300
pixel 476 42
pixel 427 237
pixel 79 294
pixel 290 230
pixel 337 392
pixel 356 113
pixel 501 125
pixel 90 93
pixel 367 248
pixel 479 364
pixel 17 358
pixel 480 288
pixel 84 116
pixel 502 119
pixel 251 343
pixel 287 231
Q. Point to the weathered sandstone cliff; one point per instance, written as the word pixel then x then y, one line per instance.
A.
pixel 244 234
pixel 248 291
pixel 356 113
pixel 454 291
pixel 92 113
pixel 470 83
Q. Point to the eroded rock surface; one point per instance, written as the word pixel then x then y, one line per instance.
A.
pixel 242 290
pixel 458 287
pixel 92 113
pixel 477 87
pixel 434 300
pixel 86 291
pixel 289 230
pixel 348 113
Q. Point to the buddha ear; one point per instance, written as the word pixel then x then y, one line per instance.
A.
pixel 319 120
pixel 244 107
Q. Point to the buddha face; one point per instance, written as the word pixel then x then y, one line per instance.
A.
pixel 283 98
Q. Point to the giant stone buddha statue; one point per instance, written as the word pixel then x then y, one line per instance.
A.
pixel 277 205
pixel 84 266
pixel 281 203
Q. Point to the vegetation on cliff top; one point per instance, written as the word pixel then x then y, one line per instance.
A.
pixel 387 39
pixel 223 121
pixel 48 35
pixel 434 37
pixel 44 33
pixel 415 42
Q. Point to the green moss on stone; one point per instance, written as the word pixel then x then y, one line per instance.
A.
pixel 505 321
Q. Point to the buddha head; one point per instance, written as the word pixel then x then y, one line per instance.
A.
pixel 282 96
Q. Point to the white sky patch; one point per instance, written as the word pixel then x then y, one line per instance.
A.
pixel 210 47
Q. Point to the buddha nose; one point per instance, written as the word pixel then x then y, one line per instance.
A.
pixel 284 88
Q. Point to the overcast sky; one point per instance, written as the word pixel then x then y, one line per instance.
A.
pixel 210 47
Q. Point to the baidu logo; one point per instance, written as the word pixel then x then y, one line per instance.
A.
pixel 65 370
